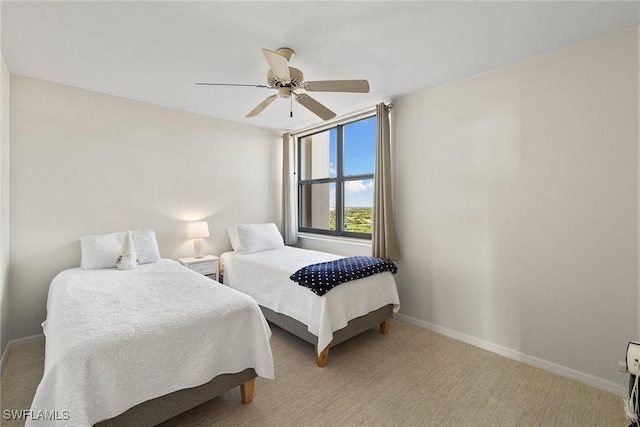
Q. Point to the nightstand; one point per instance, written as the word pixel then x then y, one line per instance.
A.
pixel 207 265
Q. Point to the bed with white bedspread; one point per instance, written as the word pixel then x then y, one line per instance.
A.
pixel 265 276
pixel 117 338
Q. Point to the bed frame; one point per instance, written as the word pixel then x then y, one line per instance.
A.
pixel 160 409
pixel 381 316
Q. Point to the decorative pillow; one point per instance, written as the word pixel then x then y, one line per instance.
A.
pixel 232 232
pixel 102 250
pixel 146 246
pixel 259 237
pixel 127 259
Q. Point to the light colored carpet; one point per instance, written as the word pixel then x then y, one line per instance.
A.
pixel 411 377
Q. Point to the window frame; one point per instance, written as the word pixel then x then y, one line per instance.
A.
pixel 339 180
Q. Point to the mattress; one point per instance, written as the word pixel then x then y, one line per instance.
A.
pixel 265 276
pixel 116 338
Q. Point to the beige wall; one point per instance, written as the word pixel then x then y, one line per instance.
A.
pixel 85 163
pixel 4 205
pixel 517 206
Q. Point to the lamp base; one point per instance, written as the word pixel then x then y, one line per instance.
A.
pixel 197 248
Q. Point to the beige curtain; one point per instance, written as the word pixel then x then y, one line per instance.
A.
pixel 289 191
pixel 384 243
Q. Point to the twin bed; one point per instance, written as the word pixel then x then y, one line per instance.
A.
pixel 261 266
pixel 325 321
pixel 139 346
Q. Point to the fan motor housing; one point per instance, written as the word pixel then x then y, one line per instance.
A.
pixel 297 77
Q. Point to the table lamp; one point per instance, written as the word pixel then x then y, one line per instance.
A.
pixel 197 230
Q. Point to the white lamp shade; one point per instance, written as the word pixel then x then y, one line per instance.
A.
pixel 198 229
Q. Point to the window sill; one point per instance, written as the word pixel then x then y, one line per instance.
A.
pixel 336 239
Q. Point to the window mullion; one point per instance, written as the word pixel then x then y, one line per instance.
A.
pixel 298 166
pixel 357 177
pixel 317 181
pixel 339 181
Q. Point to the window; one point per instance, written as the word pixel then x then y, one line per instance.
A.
pixel 335 186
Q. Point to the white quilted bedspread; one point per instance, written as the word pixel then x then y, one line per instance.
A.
pixel 265 276
pixel 116 338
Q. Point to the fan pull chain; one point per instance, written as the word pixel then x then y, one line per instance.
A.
pixel 291 106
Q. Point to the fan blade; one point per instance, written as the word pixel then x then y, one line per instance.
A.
pixel 278 64
pixel 264 104
pixel 228 84
pixel 360 86
pixel 315 107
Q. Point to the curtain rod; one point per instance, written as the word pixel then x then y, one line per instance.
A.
pixel 348 118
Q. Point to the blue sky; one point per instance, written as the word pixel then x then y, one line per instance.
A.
pixel 358 145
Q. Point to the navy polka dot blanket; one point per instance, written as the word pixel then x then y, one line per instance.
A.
pixel 323 277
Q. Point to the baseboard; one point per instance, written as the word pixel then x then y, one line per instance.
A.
pixel 573 374
pixel 16 343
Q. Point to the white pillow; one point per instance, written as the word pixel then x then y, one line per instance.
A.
pixel 102 250
pixel 259 237
pixel 232 232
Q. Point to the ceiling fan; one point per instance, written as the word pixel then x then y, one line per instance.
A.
pixel 287 80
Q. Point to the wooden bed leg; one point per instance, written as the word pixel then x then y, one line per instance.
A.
pixel 322 358
pixel 246 390
pixel 384 327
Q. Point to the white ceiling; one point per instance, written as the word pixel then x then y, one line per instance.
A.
pixel 154 51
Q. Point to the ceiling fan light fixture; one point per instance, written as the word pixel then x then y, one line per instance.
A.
pixel 285 92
